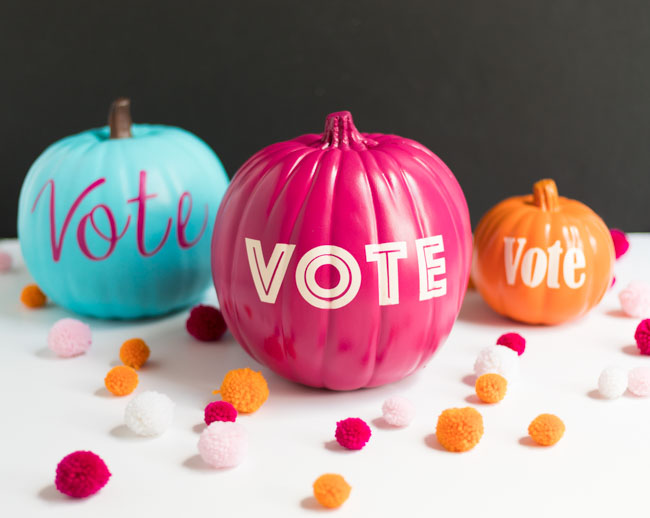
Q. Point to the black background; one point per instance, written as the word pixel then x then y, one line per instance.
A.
pixel 505 92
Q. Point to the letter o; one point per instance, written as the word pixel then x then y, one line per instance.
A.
pixel 534 277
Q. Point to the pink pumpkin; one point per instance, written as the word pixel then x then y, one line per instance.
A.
pixel 341 260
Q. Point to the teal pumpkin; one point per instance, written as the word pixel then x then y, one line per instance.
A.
pixel 116 222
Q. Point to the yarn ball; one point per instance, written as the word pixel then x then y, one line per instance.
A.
pixel 635 300
pixel 513 341
pixel 121 380
pixel 244 389
pixel 498 359
pixel 331 490
pixel 219 411
pixel 352 433
pixel 642 336
pixel 223 444
pixel 546 429
pixel 621 243
pixel 613 282
pixel 398 411
pixel 6 261
pixel 459 429
pixel 134 353
pixel 612 382
pixel 206 323
pixel 69 337
pixel 491 387
pixel 150 413
pixel 81 474
pixel 638 381
pixel 33 297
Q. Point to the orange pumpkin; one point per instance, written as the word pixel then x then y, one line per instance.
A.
pixel 542 258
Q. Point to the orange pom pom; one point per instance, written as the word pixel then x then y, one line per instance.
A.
pixel 546 429
pixel 244 389
pixel 491 387
pixel 121 380
pixel 32 296
pixel 134 353
pixel 331 490
pixel 459 429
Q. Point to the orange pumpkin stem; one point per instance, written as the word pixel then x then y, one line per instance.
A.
pixel 119 118
pixel 545 195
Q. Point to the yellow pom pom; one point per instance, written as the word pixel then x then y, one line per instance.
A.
pixel 134 353
pixel 121 380
pixel 491 387
pixel 244 389
pixel 331 490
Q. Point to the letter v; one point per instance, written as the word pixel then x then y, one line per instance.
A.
pixel 268 277
pixel 512 264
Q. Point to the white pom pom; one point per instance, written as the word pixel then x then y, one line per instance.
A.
pixel 497 359
pixel 150 413
pixel 398 411
pixel 612 382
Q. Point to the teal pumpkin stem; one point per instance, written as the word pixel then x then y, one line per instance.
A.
pixel 119 118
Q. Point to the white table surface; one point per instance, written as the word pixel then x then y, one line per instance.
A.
pixel 51 407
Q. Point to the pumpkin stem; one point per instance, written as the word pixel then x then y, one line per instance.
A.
pixel 545 195
pixel 119 118
pixel 340 132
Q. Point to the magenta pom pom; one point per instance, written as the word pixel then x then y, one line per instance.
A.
pixel 81 474
pixel 206 323
pixel 613 282
pixel 635 300
pixel 352 433
pixel 223 444
pixel 638 381
pixel 219 411
pixel 513 341
pixel 6 261
pixel 621 244
pixel 69 337
pixel 642 336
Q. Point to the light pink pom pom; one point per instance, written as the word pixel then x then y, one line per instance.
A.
pixel 635 300
pixel 398 411
pixel 638 381
pixel 69 337
pixel 223 444
pixel 6 261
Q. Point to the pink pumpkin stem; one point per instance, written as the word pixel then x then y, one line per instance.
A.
pixel 340 131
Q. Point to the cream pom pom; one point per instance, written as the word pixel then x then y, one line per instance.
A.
pixel 398 411
pixel 150 413
pixel 223 444
pixel 612 382
pixel 497 359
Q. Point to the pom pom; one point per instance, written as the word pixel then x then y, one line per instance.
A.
pixel 121 380
pixel 459 429
pixel 638 381
pixel 513 341
pixel 149 414
pixel 398 411
pixel 6 261
pixel 635 300
pixel 621 244
pixel 352 433
pixel 331 490
pixel 223 444
pixel 642 336
pixel 244 389
pixel 612 382
pixel 134 353
pixel 497 359
pixel 219 411
pixel 491 387
pixel 81 474
pixel 33 297
pixel 69 337
pixel 546 429
pixel 206 323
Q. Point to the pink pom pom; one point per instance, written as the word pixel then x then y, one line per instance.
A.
pixel 81 474
pixel 219 411
pixel 352 433
pixel 642 336
pixel 513 341
pixel 621 244
pixel 635 300
pixel 613 282
pixel 638 381
pixel 223 444
pixel 206 323
pixel 6 261
pixel 398 411
pixel 69 337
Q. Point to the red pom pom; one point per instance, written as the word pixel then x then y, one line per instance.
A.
pixel 352 433
pixel 81 474
pixel 642 336
pixel 206 323
pixel 513 341
pixel 219 411
pixel 621 244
